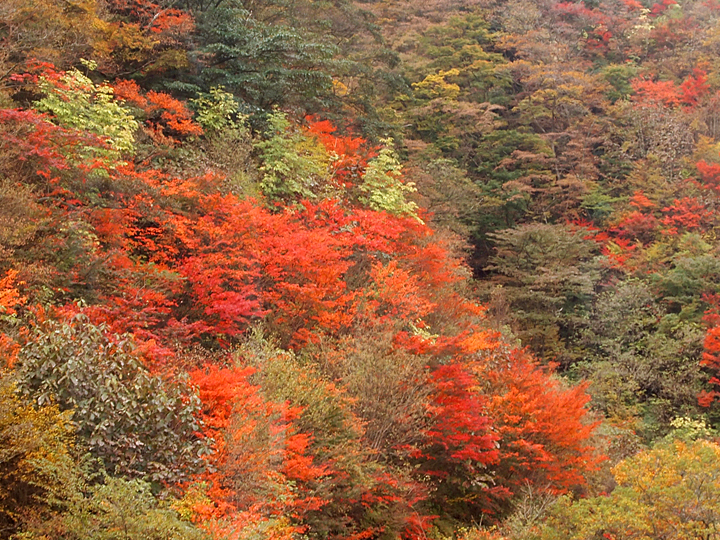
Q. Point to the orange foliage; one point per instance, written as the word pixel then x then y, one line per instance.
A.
pixel 633 4
pixel 637 226
pixel 9 296
pixel 710 175
pixel 157 19
pixel 655 93
pixel 641 202
pixel 661 7
pixel 695 87
pixel 649 93
pixel 257 449
pixel 686 214
pixel 350 154
pixel 10 299
pixel 711 355
pixel 543 426
pixel 166 117
pixel 144 36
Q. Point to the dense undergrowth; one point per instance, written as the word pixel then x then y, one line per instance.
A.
pixel 358 270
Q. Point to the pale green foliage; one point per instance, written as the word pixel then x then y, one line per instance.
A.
pixel 690 429
pixel 294 165
pixel 530 507
pixel 78 103
pixel 228 143
pixel 195 495
pixel 285 377
pixel 215 110
pixel 384 191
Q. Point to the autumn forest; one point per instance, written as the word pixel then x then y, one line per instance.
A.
pixel 359 269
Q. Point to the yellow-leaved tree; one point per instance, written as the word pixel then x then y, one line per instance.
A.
pixel 671 491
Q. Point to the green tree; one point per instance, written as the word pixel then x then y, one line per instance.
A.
pixel 352 486
pixel 76 102
pixel 137 423
pixel 382 187
pixel 265 63
pixel 294 165
pixel 640 360
pixel 544 280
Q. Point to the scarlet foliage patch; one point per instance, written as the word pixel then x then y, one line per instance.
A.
pixel 542 424
pixel 655 93
pixel 167 119
pixel 710 175
pixel 686 214
pixel 349 154
pixel 711 355
pixel 461 430
pixel 695 87
pixel 660 7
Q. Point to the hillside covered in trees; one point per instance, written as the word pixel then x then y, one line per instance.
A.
pixel 336 270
